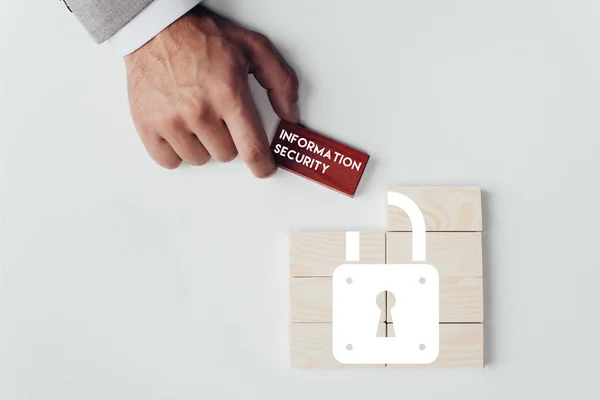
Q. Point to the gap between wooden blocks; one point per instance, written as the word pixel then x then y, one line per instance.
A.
pixel 453 218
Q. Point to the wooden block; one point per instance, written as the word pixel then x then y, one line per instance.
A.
pixel 318 158
pixel 311 346
pixel 319 253
pixel 461 346
pixel 311 300
pixel 444 208
pixel 461 300
pixel 454 254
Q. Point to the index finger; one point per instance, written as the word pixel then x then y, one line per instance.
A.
pixel 249 136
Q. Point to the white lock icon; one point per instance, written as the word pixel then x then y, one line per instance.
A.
pixel 415 313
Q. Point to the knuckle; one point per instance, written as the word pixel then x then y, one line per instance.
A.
pixel 229 91
pixel 232 85
pixel 195 112
pixel 143 122
pixel 169 123
pixel 144 126
pixel 291 84
pixel 233 107
pixel 259 40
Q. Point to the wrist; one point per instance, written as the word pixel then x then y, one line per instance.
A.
pixel 150 22
pixel 165 43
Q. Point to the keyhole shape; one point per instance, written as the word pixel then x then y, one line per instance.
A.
pixel 391 302
pixel 385 301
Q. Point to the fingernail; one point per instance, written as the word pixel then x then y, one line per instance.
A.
pixel 296 111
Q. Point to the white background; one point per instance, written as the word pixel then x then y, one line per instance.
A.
pixel 121 280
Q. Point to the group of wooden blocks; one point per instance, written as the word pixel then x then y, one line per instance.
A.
pixel 453 218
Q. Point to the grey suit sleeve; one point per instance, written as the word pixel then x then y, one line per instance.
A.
pixel 104 18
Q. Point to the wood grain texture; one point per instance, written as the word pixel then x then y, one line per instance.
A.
pixel 318 158
pixel 461 300
pixel 454 254
pixel 311 300
pixel 461 346
pixel 319 253
pixel 444 208
pixel 311 346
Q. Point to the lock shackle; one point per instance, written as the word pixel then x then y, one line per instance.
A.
pixel 417 221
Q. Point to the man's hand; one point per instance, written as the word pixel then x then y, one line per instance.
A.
pixel 189 93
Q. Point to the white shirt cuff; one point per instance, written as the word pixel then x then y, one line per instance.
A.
pixel 149 23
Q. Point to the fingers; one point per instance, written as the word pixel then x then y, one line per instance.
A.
pixel 188 148
pixel 275 75
pixel 249 136
pixel 195 144
pixel 216 138
pixel 184 142
pixel 162 153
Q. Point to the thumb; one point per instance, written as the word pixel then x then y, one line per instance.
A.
pixel 275 75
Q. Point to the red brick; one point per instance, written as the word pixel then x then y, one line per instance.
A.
pixel 318 158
